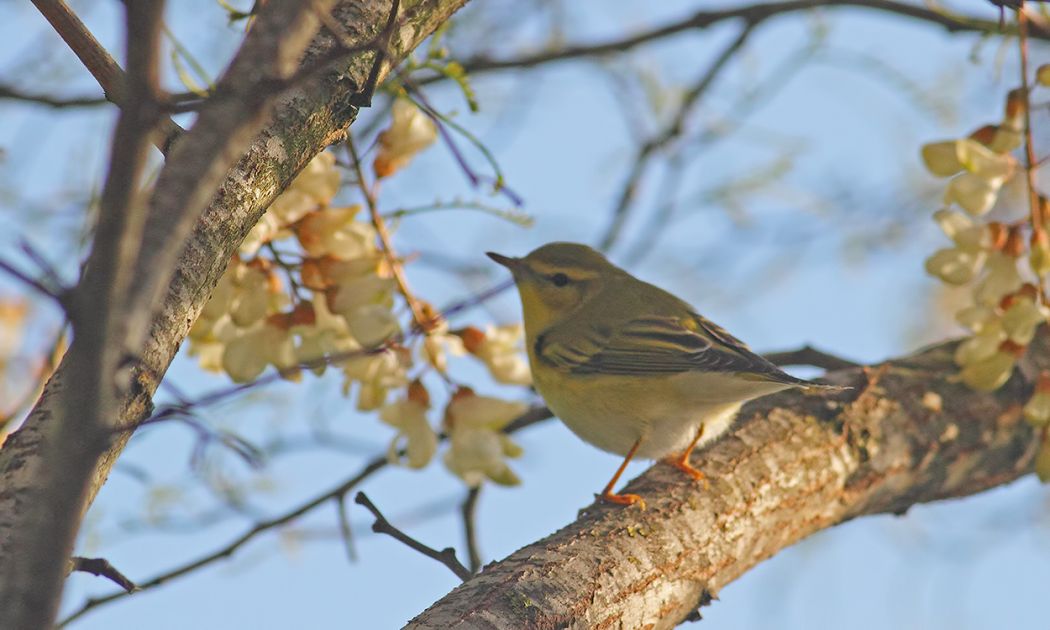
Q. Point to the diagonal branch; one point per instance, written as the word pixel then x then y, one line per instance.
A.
pixel 99 63
pixel 38 550
pixel 669 134
pixel 796 464
pixel 446 556
pixel 752 13
pixel 225 203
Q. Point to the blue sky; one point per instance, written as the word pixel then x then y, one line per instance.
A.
pixel 564 145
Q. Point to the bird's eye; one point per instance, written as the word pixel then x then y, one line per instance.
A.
pixel 560 279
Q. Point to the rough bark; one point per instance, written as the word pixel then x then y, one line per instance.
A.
pixel 305 120
pixel 794 464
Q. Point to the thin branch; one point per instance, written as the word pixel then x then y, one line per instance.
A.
pixel 345 532
pixel 446 556
pixel 533 416
pixel 228 549
pixel 422 321
pixel 470 534
pixel 56 102
pixel 102 568
pixel 752 13
pixel 55 293
pixel 99 63
pixel 674 129
pixel 1034 207
pixel 808 355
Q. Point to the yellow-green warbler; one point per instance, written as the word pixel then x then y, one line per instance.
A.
pixel 627 366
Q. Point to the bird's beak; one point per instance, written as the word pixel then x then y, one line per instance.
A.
pixel 510 263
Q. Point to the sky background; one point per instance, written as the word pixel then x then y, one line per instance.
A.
pixel 831 255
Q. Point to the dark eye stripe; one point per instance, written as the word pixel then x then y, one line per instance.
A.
pixel 560 279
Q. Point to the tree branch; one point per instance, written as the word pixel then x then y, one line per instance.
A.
pixel 302 124
pixel 673 130
pixel 808 355
pixel 99 63
pixel 795 464
pixel 336 493
pixel 36 553
pixel 469 511
pixel 102 568
pixel 752 13
pixel 446 556
pixel 10 92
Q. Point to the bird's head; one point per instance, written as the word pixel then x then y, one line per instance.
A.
pixel 557 279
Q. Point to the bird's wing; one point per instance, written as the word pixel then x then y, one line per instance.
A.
pixel 652 345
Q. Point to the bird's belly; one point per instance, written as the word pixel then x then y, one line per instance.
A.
pixel 617 412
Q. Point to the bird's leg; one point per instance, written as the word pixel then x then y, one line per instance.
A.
pixel 622 499
pixel 681 461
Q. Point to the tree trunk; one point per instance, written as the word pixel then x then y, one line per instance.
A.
pixel 795 464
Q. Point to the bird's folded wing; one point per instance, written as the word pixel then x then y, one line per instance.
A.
pixel 653 345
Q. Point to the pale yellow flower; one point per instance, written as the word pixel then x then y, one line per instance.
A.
pixel 409 417
pixel 410 132
pixel 478 448
pixel 377 373
pixel 501 349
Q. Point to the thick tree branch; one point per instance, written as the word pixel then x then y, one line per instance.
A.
pixel 795 464
pixel 37 551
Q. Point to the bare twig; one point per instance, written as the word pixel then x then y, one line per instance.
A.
pixel 55 293
pixel 1034 207
pixel 56 102
pixel 102 568
pixel 753 13
pixel 470 534
pixel 446 556
pixel 99 63
pixel 670 133
pixel 422 321
pixel 228 549
pixel 345 532
pixel 529 418
pixel 808 355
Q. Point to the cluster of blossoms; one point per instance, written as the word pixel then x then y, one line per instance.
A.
pixel 311 287
pixel 1008 303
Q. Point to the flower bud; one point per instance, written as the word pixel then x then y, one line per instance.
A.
pixel 941 158
pixel 1016 104
pixel 980 347
pixel 1021 320
pixel 1037 409
pixel 1039 256
pixel 976 317
pixel 1042 74
pixel 1002 279
pixel 973 193
pixel 1042 462
pixel 989 374
pixel 955 266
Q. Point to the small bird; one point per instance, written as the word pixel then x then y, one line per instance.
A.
pixel 629 367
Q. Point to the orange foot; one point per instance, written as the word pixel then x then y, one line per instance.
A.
pixel 622 499
pixel 682 464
